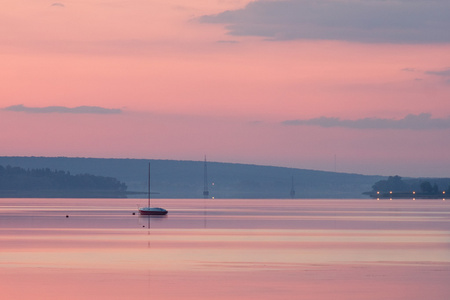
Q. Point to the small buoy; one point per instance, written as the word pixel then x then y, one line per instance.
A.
pixel 67 216
pixel 134 214
pixel 143 225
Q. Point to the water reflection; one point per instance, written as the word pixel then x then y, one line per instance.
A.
pixel 222 249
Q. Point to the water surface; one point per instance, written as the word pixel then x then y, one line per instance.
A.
pixel 225 249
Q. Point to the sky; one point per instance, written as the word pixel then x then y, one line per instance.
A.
pixel 355 86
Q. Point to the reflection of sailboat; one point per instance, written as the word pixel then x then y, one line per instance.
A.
pixel 151 210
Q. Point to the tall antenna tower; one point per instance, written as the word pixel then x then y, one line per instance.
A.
pixel 205 183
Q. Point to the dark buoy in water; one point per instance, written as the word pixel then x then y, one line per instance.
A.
pixel 67 216
pixel 134 214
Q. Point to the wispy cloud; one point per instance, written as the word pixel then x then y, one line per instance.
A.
pixel 366 21
pixel 58 4
pixel 409 70
pixel 443 73
pixel 227 42
pixel 63 109
pixel 422 121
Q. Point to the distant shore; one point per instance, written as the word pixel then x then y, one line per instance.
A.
pixel 408 195
pixel 63 194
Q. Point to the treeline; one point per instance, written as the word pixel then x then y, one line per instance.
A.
pixel 185 179
pixel 16 181
pixel 396 186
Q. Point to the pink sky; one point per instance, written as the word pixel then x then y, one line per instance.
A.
pixel 186 85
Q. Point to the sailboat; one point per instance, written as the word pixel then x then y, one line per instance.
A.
pixel 151 210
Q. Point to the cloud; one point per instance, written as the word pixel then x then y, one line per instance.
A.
pixel 63 109
pixel 443 73
pixel 365 21
pixel 409 70
pixel 422 121
pixel 57 4
pixel 227 42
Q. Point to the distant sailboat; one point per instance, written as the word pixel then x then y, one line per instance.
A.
pixel 151 210
pixel 292 193
pixel 205 183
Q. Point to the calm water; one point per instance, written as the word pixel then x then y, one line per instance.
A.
pixel 225 249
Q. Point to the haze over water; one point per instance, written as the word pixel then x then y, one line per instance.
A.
pixel 225 249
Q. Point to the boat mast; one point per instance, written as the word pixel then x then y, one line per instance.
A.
pixel 292 189
pixel 205 183
pixel 148 184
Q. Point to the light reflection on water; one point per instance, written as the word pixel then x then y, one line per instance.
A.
pixel 203 249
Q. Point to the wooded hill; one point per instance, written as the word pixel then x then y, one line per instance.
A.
pixel 185 179
pixel 397 187
pixel 20 182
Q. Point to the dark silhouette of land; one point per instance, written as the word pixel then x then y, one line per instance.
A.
pixel 184 179
pixel 20 182
pixel 419 188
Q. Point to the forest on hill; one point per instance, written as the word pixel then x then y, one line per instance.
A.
pixel 43 182
pixel 398 187
pixel 185 179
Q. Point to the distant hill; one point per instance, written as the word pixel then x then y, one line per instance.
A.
pixel 184 179
pixel 32 183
